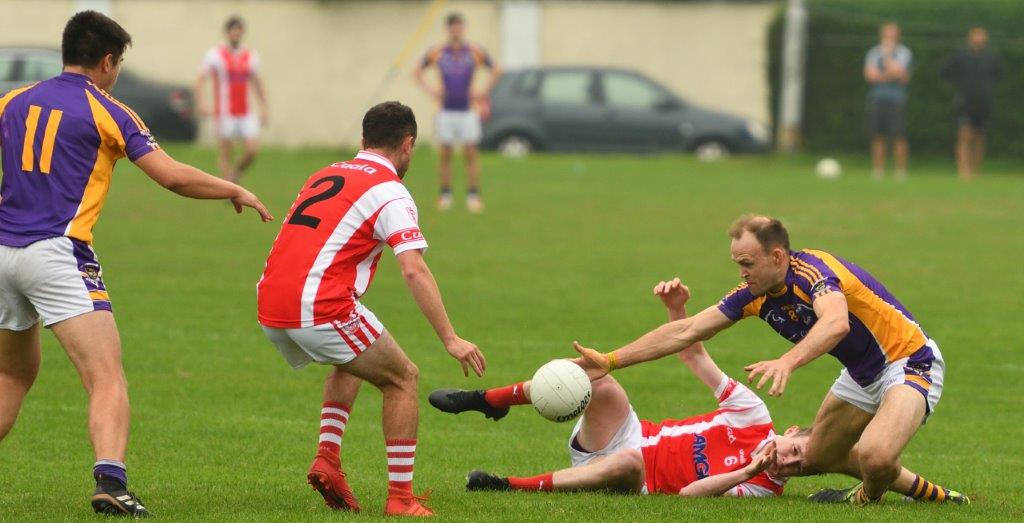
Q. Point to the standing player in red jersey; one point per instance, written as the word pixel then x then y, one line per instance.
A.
pixel 233 68
pixel 321 263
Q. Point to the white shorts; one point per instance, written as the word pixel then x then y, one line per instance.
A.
pixel 458 127
pixel 629 436
pixel 53 280
pixel 238 127
pixel 334 343
pixel 925 378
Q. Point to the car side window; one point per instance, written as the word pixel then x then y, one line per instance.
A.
pixel 566 87
pixel 7 68
pixel 39 68
pixel 528 84
pixel 628 91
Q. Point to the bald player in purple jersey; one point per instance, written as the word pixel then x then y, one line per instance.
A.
pixel 457 60
pixel 893 372
pixel 59 140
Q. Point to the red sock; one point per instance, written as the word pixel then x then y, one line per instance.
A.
pixel 401 453
pixel 513 394
pixel 333 418
pixel 542 482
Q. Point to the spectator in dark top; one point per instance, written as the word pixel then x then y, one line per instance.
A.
pixel 887 69
pixel 973 71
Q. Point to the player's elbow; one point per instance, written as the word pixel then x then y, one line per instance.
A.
pixel 413 271
pixel 169 179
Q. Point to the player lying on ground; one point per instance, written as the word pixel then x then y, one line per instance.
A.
pixel 731 451
pixel 893 372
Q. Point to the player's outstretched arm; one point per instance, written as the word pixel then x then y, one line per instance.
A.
pixel 185 180
pixel 424 290
pixel 722 483
pixel 674 295
pixel 668 339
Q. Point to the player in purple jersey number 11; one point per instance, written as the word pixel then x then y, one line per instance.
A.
pixel 61 139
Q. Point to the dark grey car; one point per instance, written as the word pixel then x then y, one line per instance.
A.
pixel 166 109
pixel 611 110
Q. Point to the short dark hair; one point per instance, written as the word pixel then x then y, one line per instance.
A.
pixel 234 21
pixel 769 231
pixel 453 18
pixel 89 36
pixel 386 124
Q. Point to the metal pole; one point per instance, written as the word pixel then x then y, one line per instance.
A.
pixel 794 53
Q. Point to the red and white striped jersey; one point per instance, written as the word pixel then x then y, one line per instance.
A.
pixel 326 254
pixel 231 69
pixel 679 452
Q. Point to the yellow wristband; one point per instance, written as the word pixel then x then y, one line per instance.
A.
pixel 613 361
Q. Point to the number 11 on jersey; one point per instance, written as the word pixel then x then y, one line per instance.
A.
pixel 49 139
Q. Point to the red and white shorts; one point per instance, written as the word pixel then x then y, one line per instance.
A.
pixel 333 343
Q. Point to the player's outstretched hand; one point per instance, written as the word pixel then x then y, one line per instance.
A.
pixel 593 362
pixel 468 355
pixel 673 294
pixel 248 199
pixel 777 371
pixel 761 460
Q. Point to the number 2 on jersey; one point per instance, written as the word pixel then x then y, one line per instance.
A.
pixel 49 138
pixel 337 182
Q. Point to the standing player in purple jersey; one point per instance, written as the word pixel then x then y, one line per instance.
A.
pixel 893 372
pixel 59 141
pixel 457 123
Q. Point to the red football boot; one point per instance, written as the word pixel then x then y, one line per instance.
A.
pixel 402 503
pixel 327 478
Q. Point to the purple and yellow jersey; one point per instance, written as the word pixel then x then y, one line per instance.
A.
pixel 60 139
pixel 882 330
pixel 457 67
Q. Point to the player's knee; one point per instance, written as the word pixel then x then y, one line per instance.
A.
pixel 625 464
pixel 406 376
pixel 602 384
pixel 604 387
pixel 878 460
pixel 109 380
pixel 115 384
pixel 18 381
pixel 412 372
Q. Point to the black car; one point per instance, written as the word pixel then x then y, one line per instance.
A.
pixel 608 109
pixel 166 109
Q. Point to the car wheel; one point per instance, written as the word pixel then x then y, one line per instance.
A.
pixel 515 146
pixel 711 151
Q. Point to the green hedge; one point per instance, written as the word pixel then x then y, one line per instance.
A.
pixel 840 32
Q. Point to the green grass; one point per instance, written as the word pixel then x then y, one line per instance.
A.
pixel 569 248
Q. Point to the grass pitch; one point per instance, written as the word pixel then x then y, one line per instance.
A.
pixel 568 248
